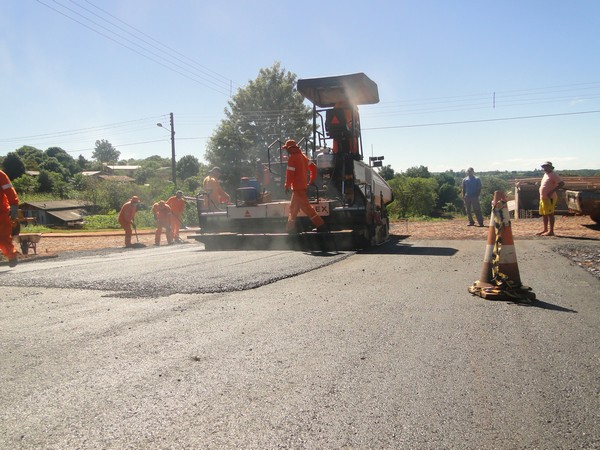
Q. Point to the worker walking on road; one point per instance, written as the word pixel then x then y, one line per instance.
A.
pixel 177 205
pixel 296 179
pixel 9 211
pixel 163 215
pixel 126 217
pixel 214 192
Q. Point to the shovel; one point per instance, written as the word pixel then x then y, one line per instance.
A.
pixel 137 244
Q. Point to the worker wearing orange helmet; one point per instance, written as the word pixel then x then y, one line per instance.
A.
pixel 9 210
pixel 126 216
pixel 177 205
pixel 296 179
pixel 163 215
pixel 214 192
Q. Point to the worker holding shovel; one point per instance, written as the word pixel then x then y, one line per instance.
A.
pixel 126 216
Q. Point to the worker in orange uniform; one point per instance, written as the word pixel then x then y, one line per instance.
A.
pixel 177 205
pixel 342 124
pixel 214 192
pixel 296 179
pixel 163 215
pixel 126 216
pixel 9 211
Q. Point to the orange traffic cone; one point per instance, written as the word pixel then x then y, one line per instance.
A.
pixel 500 278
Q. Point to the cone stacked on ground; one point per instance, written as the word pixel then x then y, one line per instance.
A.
pixel 500 278
pixel 507 263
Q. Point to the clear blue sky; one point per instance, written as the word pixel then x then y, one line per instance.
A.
pixel 497 85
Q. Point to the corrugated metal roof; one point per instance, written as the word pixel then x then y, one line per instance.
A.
pixel 122 167
pixel 121 178
pixel 58 204
pixel 71 215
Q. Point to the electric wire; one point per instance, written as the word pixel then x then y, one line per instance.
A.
pixel 170 50
pixel 189 75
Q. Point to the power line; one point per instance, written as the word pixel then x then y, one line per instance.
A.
pixel 218 76
pixel 482 120
pixel 167 64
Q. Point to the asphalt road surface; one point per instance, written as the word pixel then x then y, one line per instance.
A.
pixel 175 347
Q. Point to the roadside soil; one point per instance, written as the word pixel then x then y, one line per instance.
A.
pixel 583 247
pixel 577 227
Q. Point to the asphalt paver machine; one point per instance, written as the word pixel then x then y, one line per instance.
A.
pixel 348 193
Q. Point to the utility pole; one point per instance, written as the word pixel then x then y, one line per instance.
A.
pixel 173 169
pixel 172 130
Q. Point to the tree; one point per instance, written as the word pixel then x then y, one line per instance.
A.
pixel 53 165
pixel 32 157
pixel 82 162
pixel 413 196
pixel 448 199
pixel 418 172
pixel 489 185
pixel 13 166
pixel 387 173
pixel 66 160
pixel 25 184
pixel 267 109
pixel 45 181
pixel 187 166
pixel 104 152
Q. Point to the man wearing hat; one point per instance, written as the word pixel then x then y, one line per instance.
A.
pixel 126 216
pixel 177 205
pixel 214 192
pixel 551 182
pixel 296 179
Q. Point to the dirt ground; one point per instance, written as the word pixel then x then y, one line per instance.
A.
pixel 585 251
pixel 579 227
pixel 566 226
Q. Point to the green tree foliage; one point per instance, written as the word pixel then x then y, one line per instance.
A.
pixel 267 109
pixel 387 173
pixel 25 184
pixel 32 157
pixel 187 166
pixel 413 196
pixel 46 181
pixel 448 195
pixel 490 184
pixel 193 184
pixel 104 152
pixel 65 160
pixel 83 163
pixel 13 166
pixel 53 165
pixel 417 172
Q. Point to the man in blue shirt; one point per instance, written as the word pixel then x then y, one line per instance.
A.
pixel 471 189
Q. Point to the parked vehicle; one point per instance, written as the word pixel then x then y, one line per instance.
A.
pixel 585 202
